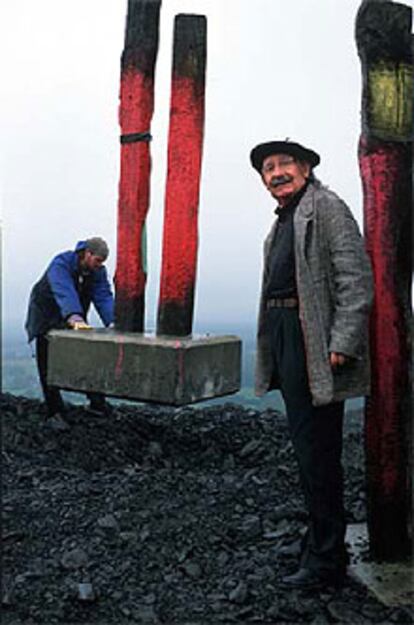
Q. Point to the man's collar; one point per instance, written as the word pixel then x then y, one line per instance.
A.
pixel 82 270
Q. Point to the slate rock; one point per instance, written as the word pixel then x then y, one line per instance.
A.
pixel 223 558
pixel 249 448
pixel 343 612
pixel 273 612
pixel 239 593
pixel 319 619
pixel 374 611
pixel 74 559
pixel 282 511
pixel 108 522
pixel 144 614
pixel 149 599
pixel 86 592
pixel 290 549
pixel 192 569
pixel 251 526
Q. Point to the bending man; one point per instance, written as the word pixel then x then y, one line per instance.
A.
pixel 61 299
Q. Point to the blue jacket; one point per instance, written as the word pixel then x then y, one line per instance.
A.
pixel 64 290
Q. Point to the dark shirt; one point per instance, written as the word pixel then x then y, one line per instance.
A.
pixel 280 280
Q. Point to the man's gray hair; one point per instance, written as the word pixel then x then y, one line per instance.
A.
pixel 98 247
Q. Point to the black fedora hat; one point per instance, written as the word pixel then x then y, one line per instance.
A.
pixel 263 150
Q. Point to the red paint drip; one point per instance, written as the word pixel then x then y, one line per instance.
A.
pixel 180 239
pixel 381 175
pixel 119 360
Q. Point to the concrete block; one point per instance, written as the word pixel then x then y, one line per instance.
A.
pixel 142 367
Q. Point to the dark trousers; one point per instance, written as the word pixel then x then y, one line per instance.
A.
pixel 316 434
pixel 53 398
pixel 51 394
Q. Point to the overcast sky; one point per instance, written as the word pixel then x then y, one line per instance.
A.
pixel 275 69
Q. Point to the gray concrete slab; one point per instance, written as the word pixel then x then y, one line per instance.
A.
pixel 392 583
pixel 143 367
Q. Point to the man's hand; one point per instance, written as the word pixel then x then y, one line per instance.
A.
pixel 337 360
pixel 76 322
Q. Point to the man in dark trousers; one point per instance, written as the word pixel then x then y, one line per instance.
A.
pixel 61 299
pixel 313 339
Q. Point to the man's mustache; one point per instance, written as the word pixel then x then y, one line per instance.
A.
pixel 277 180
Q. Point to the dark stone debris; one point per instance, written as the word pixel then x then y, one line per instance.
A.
pixel 159 515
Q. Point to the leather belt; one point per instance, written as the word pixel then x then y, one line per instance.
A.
pixel 287 302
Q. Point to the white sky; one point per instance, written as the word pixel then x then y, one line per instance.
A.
pixel 275 69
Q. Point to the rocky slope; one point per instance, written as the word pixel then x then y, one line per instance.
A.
pixel 156 515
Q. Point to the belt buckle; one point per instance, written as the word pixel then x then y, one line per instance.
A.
pixel 282 302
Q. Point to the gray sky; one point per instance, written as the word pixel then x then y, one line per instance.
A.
pixel 275 69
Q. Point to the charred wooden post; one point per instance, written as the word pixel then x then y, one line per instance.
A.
pixel 383 36
pixel 135 114
pixel 180 236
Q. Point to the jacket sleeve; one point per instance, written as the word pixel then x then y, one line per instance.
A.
pixel 60 278
pixel 352 280
pixel 102 296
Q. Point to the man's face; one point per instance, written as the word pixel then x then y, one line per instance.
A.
pixel 91 262
pixel 284 176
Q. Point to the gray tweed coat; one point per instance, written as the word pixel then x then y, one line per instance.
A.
pixel 334 285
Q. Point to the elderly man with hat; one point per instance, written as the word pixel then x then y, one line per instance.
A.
pixel 61 299
pixel 313 340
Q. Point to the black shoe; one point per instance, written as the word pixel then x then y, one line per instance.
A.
pixel 309 579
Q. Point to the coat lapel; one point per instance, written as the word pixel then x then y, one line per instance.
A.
pixel 269 238
pixel 303 216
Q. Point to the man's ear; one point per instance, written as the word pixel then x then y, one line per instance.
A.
pixel 306 169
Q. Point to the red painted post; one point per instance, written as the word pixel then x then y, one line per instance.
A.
pixel 383 35
pixel 180 236
pixel 135 114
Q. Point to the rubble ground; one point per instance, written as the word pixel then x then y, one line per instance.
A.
pixel 158 515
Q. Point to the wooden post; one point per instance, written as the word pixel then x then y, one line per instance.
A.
pixel 135 114
pixel 180 236
pixel 383 36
